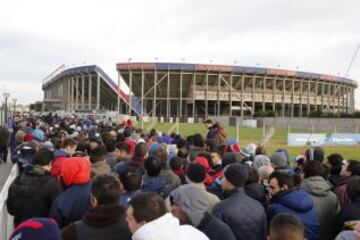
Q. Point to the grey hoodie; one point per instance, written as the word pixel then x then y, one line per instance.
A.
pixel 325 201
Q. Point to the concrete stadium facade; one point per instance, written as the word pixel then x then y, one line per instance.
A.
pixel 201 90
pixel 197 91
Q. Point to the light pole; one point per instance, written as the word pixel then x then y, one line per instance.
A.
pixel 14 100
pixel 6 96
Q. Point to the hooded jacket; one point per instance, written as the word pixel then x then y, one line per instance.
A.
pixel 325 201
pixel 60 156
pixel 31 194
pixel 99 168
pixel 167 227
pixel 340 191
pixel 258 192
pixel 72 204
pixel 244 215
pixel 299 203
pixel 350 212
pixel 105 222
pixel 157 185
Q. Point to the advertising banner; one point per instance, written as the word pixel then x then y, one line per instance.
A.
pixel 319 139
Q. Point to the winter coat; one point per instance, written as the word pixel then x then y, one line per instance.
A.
pixel 4 137
pixel 167 227
pixel 170 178
pixel 334 181
pixel 125 198
pixel 244 215
pixel 326 203
pixel 56 166
pixel 105 222
pixel 111 160
pixel 215 229
pixel 157 185
pixel 99 168
pixel 212 198
pixel 340 191
pixel 299 203
pixel 348 213
pixel 31 194
pixel 257 192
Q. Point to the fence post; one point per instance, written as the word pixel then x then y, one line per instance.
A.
pixel 237 132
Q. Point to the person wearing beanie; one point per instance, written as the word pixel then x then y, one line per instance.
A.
pixel 189 204
pixel 278 160
pixel 37 228
pixel 260 160
pixel 237 208
pixel 195 175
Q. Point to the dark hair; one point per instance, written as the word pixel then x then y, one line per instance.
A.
pixel 190 140
pixel 260 150
pixel 123 146
pixel 353 188
pixel 354 167
pixel 177 163
pixel 147 207
pixel 315 153
pixel 162 154
pixel 98 154
pixel 198 140
pixel 131 180
pixel 286 226
pixel 208 121
pixel 253 175
pixel 153 166
pixel 183 153
pixel 313 168
pixel 335 161
pixel 43 157
pixel 283 178
pixel 56 142
pixel 181 143
pixel 110 145
pixel 68 143
pixel 207 156
pixel 106 189
pixel 140 149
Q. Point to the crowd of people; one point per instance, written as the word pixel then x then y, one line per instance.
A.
pixel 87 179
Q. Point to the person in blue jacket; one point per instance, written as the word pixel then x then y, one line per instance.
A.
pixel 288 199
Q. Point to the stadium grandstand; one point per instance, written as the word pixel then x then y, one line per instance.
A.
pixel 197 90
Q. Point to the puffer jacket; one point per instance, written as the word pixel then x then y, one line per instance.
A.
pixel 258 192
pixel 299 203
pixel 31 194
pixel 244 215
pixel 157 185
pixel 326 203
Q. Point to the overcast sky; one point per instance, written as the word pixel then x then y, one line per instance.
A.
pixel 38 36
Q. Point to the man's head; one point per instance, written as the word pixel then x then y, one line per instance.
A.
pixel 315 153
pixel 144 208
pixel 43 158
pixel 153 166
pixel 350 168
pixel 196 173
pixel 278 160
pixel 235 176
pixel 131 180
pixel 215 156
pixel 264 172
pixel 279 182
pixel 98 154
pixel 189 204
pixel 122 150
pixel 105 190
pixel 140 149
pixel 285 226
pixel 69 146
pixel 110 145
pixel 208 123
pixel 312 168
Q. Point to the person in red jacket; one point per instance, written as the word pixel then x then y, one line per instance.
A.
pixel 67 149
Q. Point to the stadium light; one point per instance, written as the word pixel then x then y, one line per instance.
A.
pixel 235 62
pixel 129 60
pixel 14 105
pixel 183 59
pixel 6 96
pixel 156 59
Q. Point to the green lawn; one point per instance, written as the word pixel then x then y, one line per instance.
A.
pixel 254 135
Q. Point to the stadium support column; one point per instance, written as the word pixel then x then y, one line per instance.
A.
pixel 230 94
pixel 273 94
pixel 68 94
pixel 98 93
pixel 292 96
pixel 283 98
pixel 316 95
pixel 242 94
pixel 76 93
pixel 142 95
pixel 72 93
pixel 130 93
pixel 89 93
pixel 322 96
pixel 168 96
pixel 207 95
pixel 308 99
pixel 352 99
pixel 301 97
pixel 194 82
pixel 328 98
pixel 83 92
pixel 253 95
pixel 264 94
pixel 218 96
pixel 154 100
pixel 181 94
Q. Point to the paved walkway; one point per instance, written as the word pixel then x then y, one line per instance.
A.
pixel 4 172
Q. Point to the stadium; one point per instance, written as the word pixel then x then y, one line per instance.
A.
pixel 197 91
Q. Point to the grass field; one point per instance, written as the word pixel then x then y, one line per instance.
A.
pixel 254 135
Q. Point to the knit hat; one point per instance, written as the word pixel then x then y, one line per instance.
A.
pixel 260 160
pixel 236 174
pixel 37 228
pixel 196 173
pixel 278 159
pixel 38 135
pixel 192 200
